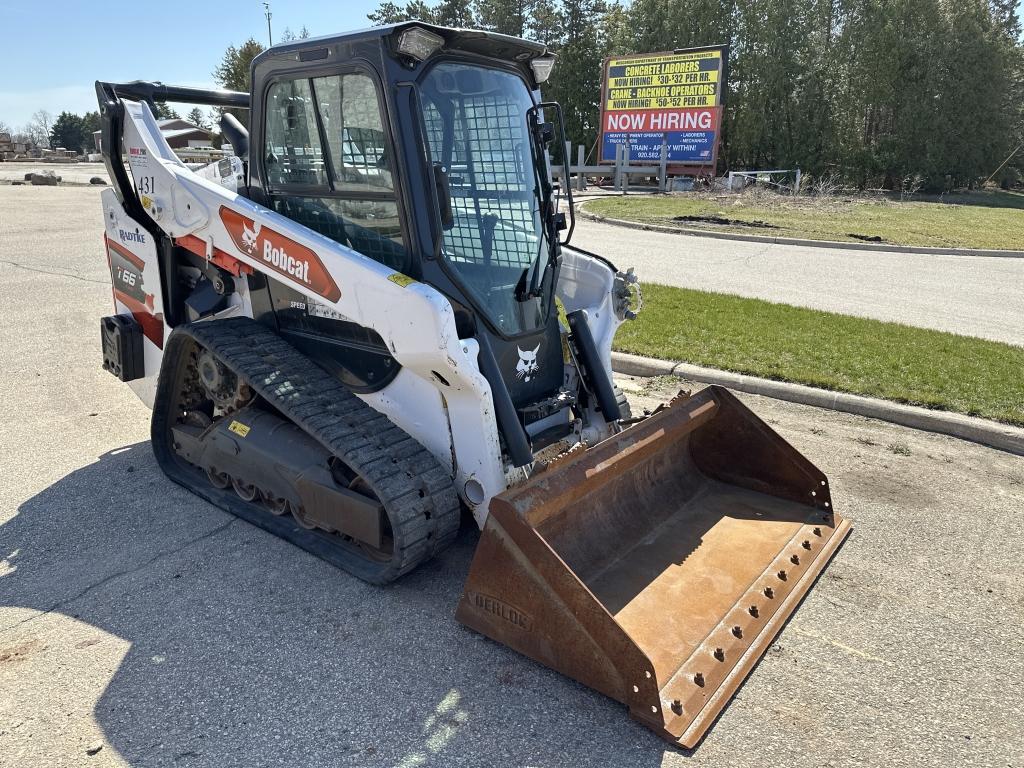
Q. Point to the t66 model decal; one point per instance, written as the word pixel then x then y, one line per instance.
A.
pixel 280 253
pixel 126 279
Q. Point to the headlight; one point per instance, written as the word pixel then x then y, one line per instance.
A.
pixel 542 68
pixel 419 43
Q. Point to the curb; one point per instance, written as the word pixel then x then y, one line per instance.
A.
pixel 878 247
pixel 989 433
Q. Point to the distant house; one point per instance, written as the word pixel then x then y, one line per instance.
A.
pixel 179 134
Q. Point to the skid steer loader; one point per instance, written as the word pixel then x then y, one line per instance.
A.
pixel 369 319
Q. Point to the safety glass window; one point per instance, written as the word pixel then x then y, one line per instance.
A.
pixel 371 227
pixel 475 122
pixel 293 154
pixel 354 129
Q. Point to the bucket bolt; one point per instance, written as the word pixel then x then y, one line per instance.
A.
pixel 782 575
pixel 699 679
pixel 817 531
pixel 677 706
pixel 737 631
pixel 795 559
pixel 806 545
pixel 752 610
pixel 719 654
pixel 769 592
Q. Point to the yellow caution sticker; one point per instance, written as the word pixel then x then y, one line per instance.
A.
pixel 399 279
pixel 239 428
pixel 563 318
pixel 563 321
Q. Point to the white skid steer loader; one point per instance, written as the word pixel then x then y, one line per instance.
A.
pixel 369 319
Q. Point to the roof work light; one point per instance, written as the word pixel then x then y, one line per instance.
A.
pixel 419 43
pixel 542 68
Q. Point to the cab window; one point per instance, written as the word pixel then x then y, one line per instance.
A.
pixel 327 163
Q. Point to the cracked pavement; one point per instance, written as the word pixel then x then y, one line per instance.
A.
pixel 140 626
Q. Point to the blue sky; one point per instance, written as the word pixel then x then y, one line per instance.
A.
pixel 52 53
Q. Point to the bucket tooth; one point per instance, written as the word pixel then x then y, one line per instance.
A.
pixel 657 566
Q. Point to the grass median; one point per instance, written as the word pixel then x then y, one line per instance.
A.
pixel 970 220
pixel 838 352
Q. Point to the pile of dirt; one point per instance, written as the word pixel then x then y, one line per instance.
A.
pixel 722 221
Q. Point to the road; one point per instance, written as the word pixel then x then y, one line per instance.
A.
pixel 139 620
pixel 970 295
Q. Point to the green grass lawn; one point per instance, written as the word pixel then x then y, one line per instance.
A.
pixel 837 352
pixel 976 220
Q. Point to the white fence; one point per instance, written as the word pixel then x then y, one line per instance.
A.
pixel 620 171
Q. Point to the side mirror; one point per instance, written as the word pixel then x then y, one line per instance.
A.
pixel 444 196
pixel 545 134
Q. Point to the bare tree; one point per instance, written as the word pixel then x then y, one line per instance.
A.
pixel 39 128
pixel 4 128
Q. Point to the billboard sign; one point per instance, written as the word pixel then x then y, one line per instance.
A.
pixel 675 98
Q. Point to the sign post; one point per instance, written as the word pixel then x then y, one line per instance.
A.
pixel 671 100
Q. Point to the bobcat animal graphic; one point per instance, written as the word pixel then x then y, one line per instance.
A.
pixel 249 236
pixel 527 367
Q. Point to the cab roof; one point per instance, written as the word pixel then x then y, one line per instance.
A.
pixel 477 41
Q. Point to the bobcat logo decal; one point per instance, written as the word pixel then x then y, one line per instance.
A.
pixel 249 236
pixel 527 367
pixel 278 253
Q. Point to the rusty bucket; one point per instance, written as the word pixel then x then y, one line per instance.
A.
pixel 657 566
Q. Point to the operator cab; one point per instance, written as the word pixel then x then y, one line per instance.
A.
pixel 423 148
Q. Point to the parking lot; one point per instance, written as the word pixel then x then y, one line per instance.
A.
pixel 140 626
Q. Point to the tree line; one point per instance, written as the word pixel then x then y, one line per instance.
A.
pixel 872 92
pixel 74 132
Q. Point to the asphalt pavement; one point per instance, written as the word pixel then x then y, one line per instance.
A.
pixel 971 295
pixel 70 173
pixel 140 626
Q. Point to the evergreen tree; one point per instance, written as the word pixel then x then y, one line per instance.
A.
pixel 545 23
pixel 874 90
pixel 454 13
pixel 163 112
pixel 509 17
pixel 390 13
pixel 576 79
pixel 446 13
pixel 69 132
pixel 234 72
pixel 197 118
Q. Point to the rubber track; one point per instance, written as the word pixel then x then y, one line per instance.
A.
pixel 416 491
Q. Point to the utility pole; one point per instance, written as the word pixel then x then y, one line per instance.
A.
pixel 268 14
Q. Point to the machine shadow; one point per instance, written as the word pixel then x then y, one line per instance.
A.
pixel 248 651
